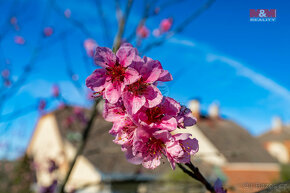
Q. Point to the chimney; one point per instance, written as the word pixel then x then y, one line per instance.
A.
pixel 194 106
pixel 213 111
pixel 277 124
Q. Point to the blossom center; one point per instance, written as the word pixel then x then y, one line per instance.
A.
pixel 154 146
pixel 116 72
pixel 138 88
pixel 154 114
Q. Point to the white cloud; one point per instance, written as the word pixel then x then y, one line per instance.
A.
pixel 241 69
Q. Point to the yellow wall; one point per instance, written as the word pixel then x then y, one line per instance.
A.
pixel 46 144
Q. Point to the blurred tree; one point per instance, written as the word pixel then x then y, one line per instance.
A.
pixel 17 176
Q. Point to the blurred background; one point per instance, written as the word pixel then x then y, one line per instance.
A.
pixel 232 73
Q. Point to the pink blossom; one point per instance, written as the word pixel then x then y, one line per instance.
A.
pixel 116 113
pixel 161 116
pixel 166 24
pixel 69 121
pixel 144 91
pixel 185 117
pixel 41 105
pixel 116 73
pixel 143 31
pixel 79 114
pixel 61 105
pixel 55 90
pixel 150 146
pixel 67 13
pixel 181 148
pixel 156 32
pixel 13 20
pixel 157 10
pixel 7 83
pixel 5 73
pixel 90 46
pixel 19 40
pixel 48 31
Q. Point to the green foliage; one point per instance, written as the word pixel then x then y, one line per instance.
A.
pixel 285 172
pixel 178 176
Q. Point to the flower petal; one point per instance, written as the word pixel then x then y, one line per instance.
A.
pixel 151 70
pixel 152 163
pixel 131 158
pixel 133 103
pixel 126 55
pixel 104 57
pixel 113 92
pixel 170 106
pixel 163 135
pixel 113 112
pixel 97 80
pixel 131 76
pixel 153 96
pixel 165 76
pixel 169 123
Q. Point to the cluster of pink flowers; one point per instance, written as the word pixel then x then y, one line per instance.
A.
pixel 143 31
pixel 14 23
pixel 144 121
pixel 165 26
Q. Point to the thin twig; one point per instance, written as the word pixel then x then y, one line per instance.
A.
pixel 28 67
pixel 106 29
pixel 146 12
pixel 121 29
pixel 82 145
pixel 69 67
pixel 80 25
pixel 200 177
pixel 180 27
pixel 195 174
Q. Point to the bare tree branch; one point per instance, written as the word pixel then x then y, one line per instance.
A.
pixel 121 29
pixel 69 70
pixel 106 29
pixel 195 174
pixel 180 27
pixel 82 145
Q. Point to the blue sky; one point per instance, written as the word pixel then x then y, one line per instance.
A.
pixel 220 58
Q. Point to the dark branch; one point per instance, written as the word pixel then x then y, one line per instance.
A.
pixel 82 145
pixel 195 174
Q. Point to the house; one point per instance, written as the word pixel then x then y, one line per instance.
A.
pixel 226 151
pixel 277 140
pixel 16 176
pixel 102 166
pixel 240 158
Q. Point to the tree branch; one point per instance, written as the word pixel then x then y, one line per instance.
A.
pixel 121 29
pixel 195 174
pixel 82 145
